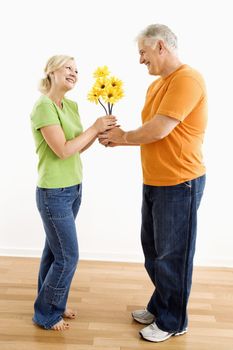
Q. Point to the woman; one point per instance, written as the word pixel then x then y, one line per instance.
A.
pixel 59 140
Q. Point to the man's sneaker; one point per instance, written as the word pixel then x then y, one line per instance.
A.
pixel 181 333
pixel 153 333
pixel 143 316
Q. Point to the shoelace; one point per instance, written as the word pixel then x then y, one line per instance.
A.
pixel 153 326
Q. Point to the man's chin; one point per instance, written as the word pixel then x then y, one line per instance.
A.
pixel 149 70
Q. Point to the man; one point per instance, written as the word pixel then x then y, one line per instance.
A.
pixel 174 120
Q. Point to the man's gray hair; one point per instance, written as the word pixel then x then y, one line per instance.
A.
pixel 156 32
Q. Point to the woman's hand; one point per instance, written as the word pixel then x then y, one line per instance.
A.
pixel 104 123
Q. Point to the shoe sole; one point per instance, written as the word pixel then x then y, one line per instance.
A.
pixel 160 340
pixel 180 333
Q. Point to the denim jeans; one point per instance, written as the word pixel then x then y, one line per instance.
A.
pixel 58 209
pixel 168 234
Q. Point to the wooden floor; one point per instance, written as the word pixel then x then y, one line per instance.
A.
pixel 105 294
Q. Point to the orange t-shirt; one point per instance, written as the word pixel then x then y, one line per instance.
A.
pixel 177 157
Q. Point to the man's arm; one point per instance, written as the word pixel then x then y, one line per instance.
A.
pixel 154 130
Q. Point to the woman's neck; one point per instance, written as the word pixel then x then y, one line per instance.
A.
pixel 56 96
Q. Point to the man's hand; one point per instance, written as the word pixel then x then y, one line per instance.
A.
pixel 106 143
pixel 102 140
pixel 115 136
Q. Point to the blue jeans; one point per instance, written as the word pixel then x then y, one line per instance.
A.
pixel 168 234
pixel 58 209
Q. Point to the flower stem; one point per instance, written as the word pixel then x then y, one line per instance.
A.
pixel 103 106
pixel 109 108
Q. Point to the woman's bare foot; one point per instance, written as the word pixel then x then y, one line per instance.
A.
pixel 69 313
pixel 60 326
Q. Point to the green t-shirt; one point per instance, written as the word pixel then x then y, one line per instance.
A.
pixel 53 171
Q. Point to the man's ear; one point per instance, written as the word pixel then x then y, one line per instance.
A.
pixel 161 46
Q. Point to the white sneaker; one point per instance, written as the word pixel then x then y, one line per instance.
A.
pixel 153 333
pixel 143 316
pixel 181 333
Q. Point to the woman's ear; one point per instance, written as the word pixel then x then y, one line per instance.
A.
pixel 51 74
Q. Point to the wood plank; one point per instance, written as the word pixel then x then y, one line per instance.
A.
pixel 105 294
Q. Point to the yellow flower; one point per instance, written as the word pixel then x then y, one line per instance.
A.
pixel 101 72
pixel 115 82
pixel 101 83
pixel 112 95
pixel 106 89
pixel 93 95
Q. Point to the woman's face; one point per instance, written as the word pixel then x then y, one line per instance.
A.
pixel 65 77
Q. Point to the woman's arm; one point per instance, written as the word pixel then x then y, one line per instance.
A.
pixel 88 145
pixel 55 137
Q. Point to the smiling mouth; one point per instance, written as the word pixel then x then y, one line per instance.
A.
pixel 70 80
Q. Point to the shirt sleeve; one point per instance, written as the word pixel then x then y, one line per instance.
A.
pixel 182 96
pixel 44 115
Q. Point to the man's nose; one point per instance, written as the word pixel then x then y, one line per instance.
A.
pixel 141 60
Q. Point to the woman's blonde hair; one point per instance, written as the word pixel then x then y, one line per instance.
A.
pixel 54 63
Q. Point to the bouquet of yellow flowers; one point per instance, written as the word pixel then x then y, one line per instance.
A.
pixel 107 89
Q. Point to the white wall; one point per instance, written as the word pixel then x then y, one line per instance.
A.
pixel 98 33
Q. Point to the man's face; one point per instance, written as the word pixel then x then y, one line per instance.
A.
pixel 150 56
